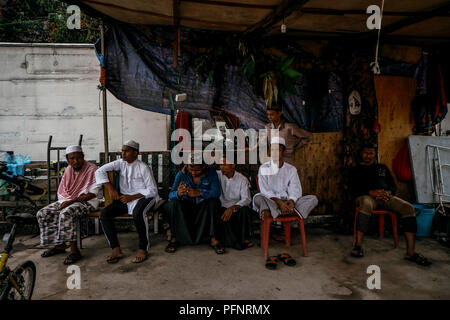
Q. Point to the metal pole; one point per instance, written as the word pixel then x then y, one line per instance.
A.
pixel 105 113
pixel 48 170
pixel 173 169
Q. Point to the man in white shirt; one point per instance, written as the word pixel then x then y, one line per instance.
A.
pixel 280 188
pixel 235 226
pixel 137 194
pixel 77 196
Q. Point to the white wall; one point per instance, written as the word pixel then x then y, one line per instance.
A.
pixel 51 89
pixel 445 124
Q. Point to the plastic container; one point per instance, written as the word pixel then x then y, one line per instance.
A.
pixel 424 216
pixel 16 164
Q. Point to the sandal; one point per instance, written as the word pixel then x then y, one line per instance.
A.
pixel 271 262
pixel 357 252
pixel 114 260
pixel 419 259
pixel 287 259
pixel 218 248
pixel 72 258
pixel 171 247
pixel 52 252
pixel 249 244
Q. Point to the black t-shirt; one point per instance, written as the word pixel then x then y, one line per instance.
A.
pixel 365 178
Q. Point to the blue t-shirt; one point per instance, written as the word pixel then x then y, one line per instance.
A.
pixel 209 186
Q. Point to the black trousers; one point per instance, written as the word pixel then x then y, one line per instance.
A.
pixel 190 223
pixel 234 232
pixel 118 208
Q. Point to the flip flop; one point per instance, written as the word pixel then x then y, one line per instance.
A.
pixel 171 247
pixel 52 252
pixel 357 252
pixel 114 260
pixel 218 248
pixel 249 244
pixel 271 262
pixel 72 258
pixel 419 259
pixel 287 259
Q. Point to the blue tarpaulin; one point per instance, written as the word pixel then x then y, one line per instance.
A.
pixel 140 72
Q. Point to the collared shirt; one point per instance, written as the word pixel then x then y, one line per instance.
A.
pixel 283 183
pixel 136 177
pixel 294 137
pixel 235 190
pixel 208 185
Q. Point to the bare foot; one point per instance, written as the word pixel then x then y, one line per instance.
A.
pixel 140 256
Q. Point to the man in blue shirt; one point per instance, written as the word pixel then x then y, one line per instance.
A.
pixel 193 208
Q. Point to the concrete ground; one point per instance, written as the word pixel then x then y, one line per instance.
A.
pixel 329 272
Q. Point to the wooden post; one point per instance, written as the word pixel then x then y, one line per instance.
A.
pixel 105 111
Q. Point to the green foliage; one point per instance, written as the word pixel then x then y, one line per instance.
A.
pixel 44 21
pixel 271 77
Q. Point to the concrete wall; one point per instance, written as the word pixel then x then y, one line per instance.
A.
pixel 51 89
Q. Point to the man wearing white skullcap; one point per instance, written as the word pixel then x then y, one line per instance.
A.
pixel 77 196
pixel 280 189
pixel 137 194
pixel 132 144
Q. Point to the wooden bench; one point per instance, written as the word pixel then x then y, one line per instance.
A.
pixel 159 162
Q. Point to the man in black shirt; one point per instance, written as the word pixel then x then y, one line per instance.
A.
pixel 373 187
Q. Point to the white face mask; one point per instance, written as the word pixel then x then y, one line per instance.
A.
pixel 354 103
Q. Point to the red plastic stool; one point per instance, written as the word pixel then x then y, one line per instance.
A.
pixel 381 214
pixel 265 232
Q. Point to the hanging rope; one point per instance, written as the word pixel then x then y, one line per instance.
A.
pixel 375 65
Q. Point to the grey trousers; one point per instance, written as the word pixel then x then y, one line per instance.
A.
pixel 304 205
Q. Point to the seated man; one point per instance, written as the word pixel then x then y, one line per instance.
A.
pixel 193 208
pixel 137 194
pixel 280 188
pixel 236 221
pixel 77 196
pixel 373 187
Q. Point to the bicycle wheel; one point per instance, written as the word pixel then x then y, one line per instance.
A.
pixel 25 276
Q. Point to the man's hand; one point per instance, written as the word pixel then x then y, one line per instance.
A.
pixel 112 192
pixel 182 189
pixel 125 198
pixel 380 194
pixel 65 204
pixel 290 205
pixel 227 214
pixel 282 205
pixel 193 193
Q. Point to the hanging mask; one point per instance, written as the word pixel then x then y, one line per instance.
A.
pixel 354 103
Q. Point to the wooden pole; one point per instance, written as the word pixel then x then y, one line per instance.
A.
pixel 105 111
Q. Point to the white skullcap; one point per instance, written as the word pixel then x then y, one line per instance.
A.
pixel 71 149
pixel 278 140
pixel 132 144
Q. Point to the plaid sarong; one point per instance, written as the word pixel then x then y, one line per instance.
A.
pixel 59 226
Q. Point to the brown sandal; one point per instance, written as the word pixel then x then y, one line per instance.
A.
pixel 271 262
